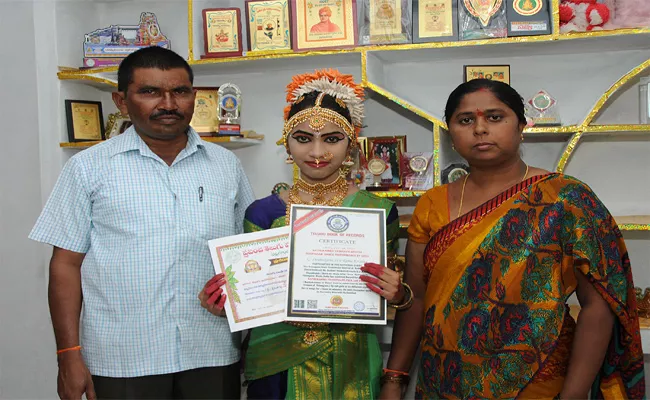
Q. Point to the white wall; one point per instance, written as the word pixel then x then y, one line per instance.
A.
pixel 27 361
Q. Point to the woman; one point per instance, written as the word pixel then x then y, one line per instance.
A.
pixel 322 120
pixel 501 251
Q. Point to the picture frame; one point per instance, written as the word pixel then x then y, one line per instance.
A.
pixel 205 120
pixel 502 72
pixel 268 26
pixel 435 21
pixel 389 149
pixel 85 120
pixel 384 21
pixel 117 124
pixel 362 144
pixel 324 24
pixel 222 32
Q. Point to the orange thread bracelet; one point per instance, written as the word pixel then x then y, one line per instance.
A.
pixel 75 348
pixel 396 372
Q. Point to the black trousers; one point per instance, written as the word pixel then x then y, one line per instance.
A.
pixel 201 383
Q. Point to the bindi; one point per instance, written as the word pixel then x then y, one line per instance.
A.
pixel 480 113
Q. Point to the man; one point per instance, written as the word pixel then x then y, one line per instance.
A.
pixel 325 25
pixel 129 220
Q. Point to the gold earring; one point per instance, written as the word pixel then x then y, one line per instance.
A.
pixel 522 137
pixel 289 159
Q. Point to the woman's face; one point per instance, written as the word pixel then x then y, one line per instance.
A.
pixel 318 155
pixel 484 130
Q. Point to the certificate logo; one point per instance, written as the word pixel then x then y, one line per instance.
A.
pixel 336 300
pixel 252 266
pixel 338 223
pixel 359 306
pixel 232 257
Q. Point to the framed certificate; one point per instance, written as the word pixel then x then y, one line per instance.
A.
pixel 205 119
pixel 328 247
pixel 268 25
pixel 435 20
pixel 222 32
pixel 117 124
pixel 85 120
pixel 385 22
pixel 322 24
pixel 494 72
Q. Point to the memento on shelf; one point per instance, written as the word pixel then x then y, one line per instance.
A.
pixel 222 32
pixel 384 21
pixel 643 302
pixel 376 166
pixel 85 120
pixel 116 125
pixel 268 26
pixel 108 46
pixel 499 73
pixel 454 172
pixel 229 106
pixel 389 149
pixel 417 171
pixel 205 119
pixel 322 24
pixel 482 19
pixel 528 17
pixel 542 109
pixel 435 20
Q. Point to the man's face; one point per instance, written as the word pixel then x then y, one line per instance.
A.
pixel 160 103
pixel 324 17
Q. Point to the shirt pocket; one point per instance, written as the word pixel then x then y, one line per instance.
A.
pixel 212 213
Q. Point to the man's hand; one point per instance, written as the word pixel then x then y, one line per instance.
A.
pixel 74 378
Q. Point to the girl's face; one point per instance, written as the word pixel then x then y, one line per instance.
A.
pixel 318 155
pixel 484 130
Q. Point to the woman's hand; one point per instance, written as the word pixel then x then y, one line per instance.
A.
pixel 384 281
pixel 213 297
pixel 390 391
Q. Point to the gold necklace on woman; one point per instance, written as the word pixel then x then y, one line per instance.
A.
pixel 462 192
pixel 319 192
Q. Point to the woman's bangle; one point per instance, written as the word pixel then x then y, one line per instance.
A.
pixel 408 298
pixel 75 348
pixel 399 379
pixel 395 372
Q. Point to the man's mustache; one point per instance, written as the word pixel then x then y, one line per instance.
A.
pixel 166 113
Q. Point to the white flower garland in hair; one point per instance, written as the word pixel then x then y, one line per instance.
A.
pixel 338 91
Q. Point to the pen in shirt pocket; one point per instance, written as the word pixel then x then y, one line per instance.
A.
pixel 201 194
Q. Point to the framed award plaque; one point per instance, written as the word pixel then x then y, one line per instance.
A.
pixel 222 32
pixel 528 17
pixel 499 73
pixel 435 20
pixel 384 21
pixel 85 120
pixel 390 150
pixel 323 24
pixel 268 25
pixel 205 119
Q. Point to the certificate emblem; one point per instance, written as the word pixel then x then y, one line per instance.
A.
pixel 419 164
pixel 483 10
pixel 527 7
pixel 359 306
pixel 252 266
pixel 232 257
pixel 338 223
pixel 336 300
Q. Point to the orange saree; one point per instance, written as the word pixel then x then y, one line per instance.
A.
pixel 498 278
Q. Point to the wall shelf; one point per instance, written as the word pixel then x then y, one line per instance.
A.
pixel 228 142
pixel 633 222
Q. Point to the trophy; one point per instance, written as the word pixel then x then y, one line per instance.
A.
pixel 417 171
pixel 229 110
pixel 542 109
pixel 454 172
pixel 376 166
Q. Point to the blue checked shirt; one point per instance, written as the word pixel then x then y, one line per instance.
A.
pixel 144 227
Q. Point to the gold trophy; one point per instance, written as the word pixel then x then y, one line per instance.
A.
pixel 376 166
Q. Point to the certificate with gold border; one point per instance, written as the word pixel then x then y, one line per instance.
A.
pixel 255 268
pixel 222 32
pixel 435 20
pixel 268 26
pixel 329 245
pixel 322 24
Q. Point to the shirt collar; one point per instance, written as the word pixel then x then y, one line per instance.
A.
pixel 131 141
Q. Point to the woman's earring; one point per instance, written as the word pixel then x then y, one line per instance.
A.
pixel 348 161
pixel 289 159
pixel 522 137
pixel 453 147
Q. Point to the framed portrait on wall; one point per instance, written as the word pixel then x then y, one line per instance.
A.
pixel 324 24
pixel 499 73
pixel 390 150
pixel 268 24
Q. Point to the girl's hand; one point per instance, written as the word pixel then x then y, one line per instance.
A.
pixel 383 281
pixel 213 297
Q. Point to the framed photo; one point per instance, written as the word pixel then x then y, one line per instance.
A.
pixel 362 144
pixel 222 32
pixel 205 119
pixel 390 150
pixel 268 25
pixel 117 124
pixel 323 24
pixel 435 20
pixel 494 72
pixel 85 120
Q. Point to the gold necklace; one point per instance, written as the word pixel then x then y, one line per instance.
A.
pixel 318 191
pixel 462 192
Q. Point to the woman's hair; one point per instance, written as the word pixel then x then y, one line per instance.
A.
pixel 504 92
pixel 309 100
